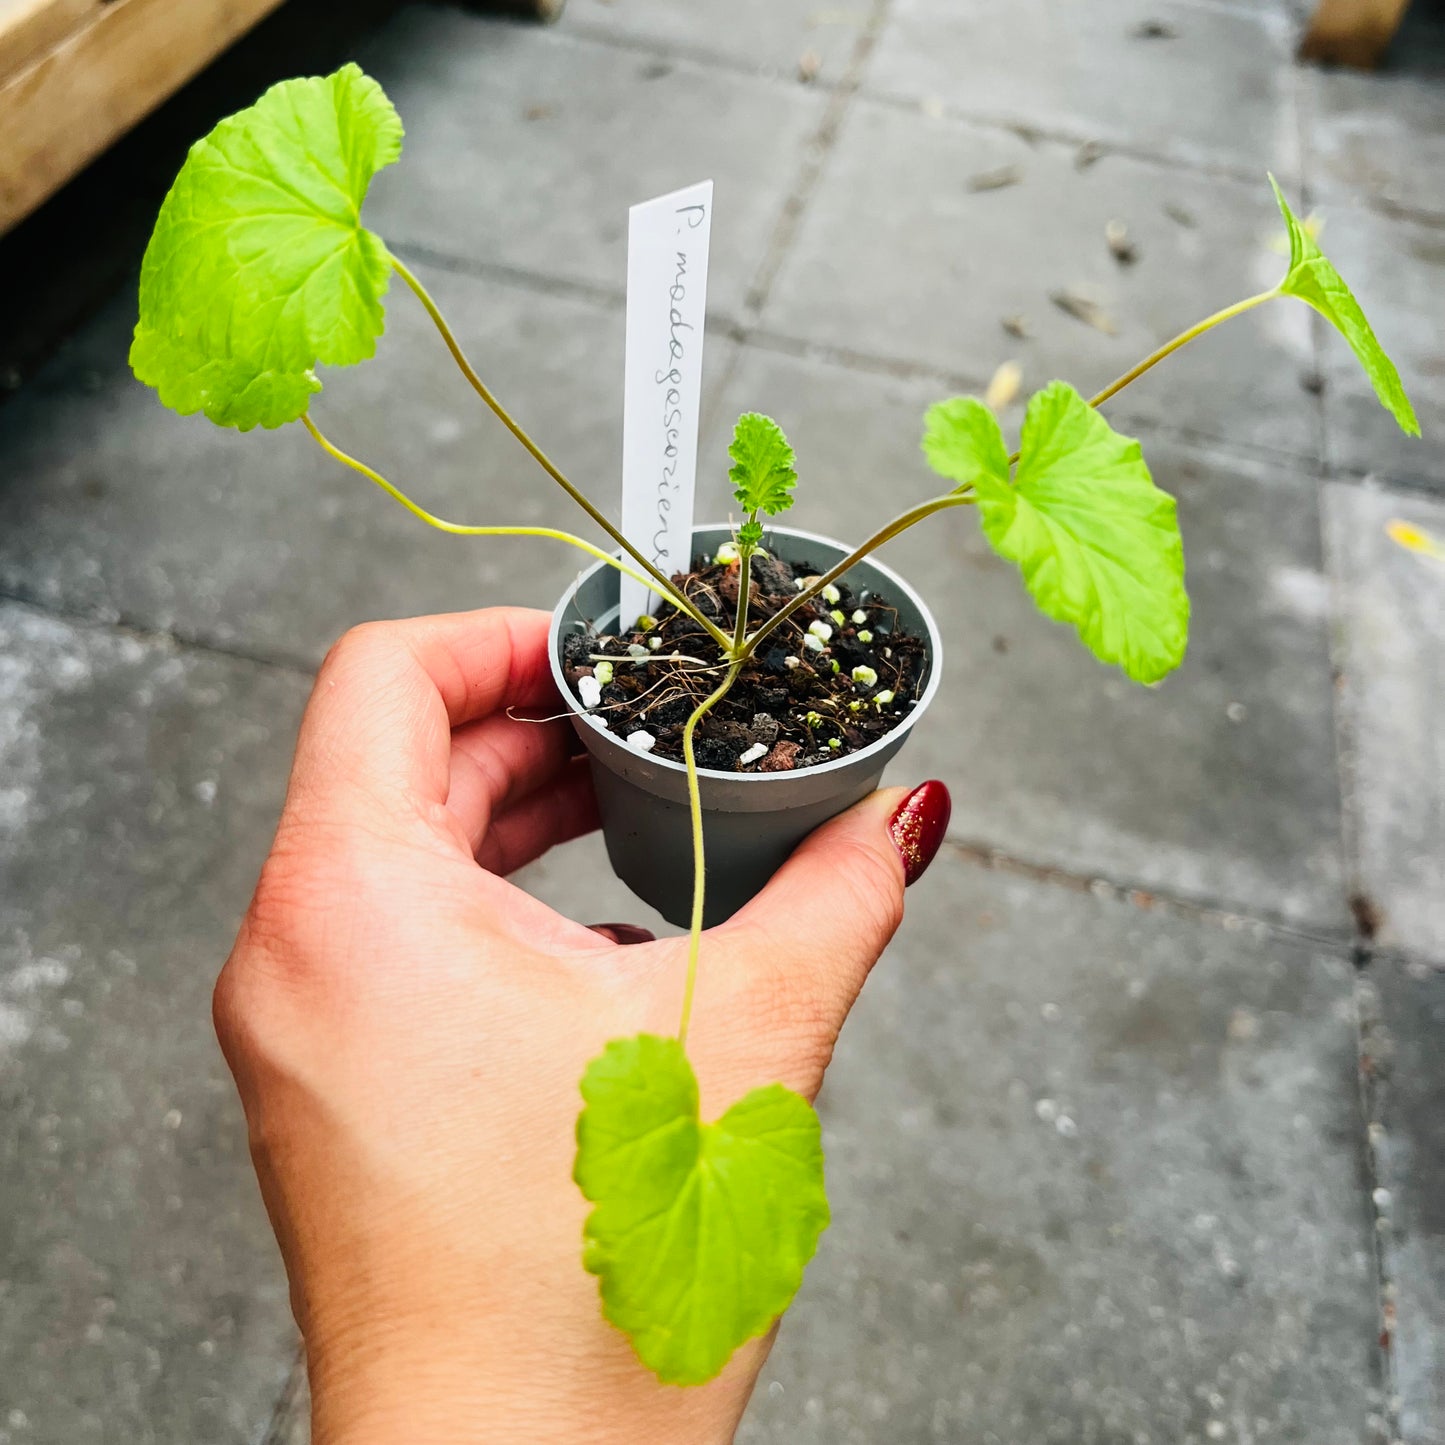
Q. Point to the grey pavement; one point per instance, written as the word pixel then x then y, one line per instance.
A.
pixel 1403 1012
pixel 1135 1136
pixel 140 1298
pixel 1098 1174
pixel 871 272
pixel 1121 73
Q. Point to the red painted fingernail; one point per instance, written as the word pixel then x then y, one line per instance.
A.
pixel 623 932
pixel 918 825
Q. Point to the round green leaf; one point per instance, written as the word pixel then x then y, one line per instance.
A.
pixel 259 267
pixel 1098 543
pixel 699 1233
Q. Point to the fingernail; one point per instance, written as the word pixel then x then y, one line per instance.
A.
pixel 623 932
pixel 918 825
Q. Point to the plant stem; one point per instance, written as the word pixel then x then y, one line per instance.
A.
pixel 664 586
pixel 900 523
pixel 1183 339
pixel 699 867
pixel 740 621
pixel 456 528
pixel 1170 347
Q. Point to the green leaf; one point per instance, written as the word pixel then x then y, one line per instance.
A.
pixel 750 535
pixel 1098 543
pixel 699 1232
pixel 961 438
pixel 259 267
pixel 1318 284
pixel 763 478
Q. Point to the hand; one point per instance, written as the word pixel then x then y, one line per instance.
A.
pixel 407 1031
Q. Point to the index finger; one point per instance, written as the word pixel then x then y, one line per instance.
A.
pixel 388 695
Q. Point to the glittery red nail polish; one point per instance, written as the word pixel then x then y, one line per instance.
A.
pixel 918 825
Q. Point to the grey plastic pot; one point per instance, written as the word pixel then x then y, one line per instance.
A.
pixel 751 821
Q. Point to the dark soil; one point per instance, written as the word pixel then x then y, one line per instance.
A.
pixel 797 700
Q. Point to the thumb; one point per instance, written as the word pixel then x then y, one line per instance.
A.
pixel 829 911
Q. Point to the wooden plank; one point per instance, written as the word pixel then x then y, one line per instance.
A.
pixel 30 27
pixel 1352 32
pixel 68 105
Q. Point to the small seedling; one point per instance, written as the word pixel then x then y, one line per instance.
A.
pixel 260 270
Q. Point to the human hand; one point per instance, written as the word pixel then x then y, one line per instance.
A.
pixel 407 1031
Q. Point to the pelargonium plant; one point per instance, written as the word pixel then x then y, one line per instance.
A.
pixel 260 270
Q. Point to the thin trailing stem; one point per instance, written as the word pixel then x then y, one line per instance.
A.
pixel 660 584
pixel 1173 345
pixel 1183 339
pixel 900 523
pixel 456 528
pixel 699 865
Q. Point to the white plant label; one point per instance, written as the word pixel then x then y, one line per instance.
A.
pixel 667 243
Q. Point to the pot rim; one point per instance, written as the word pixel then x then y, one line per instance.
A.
pixel 892 737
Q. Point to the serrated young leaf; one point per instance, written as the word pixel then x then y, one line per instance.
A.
pixel 1098 543
pixel 1315 281
pixel 259 267
pixel 961 438
pixel 763 477
pixel 699 1233
pixel 750 535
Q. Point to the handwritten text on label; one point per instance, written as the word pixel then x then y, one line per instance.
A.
pixel 667 256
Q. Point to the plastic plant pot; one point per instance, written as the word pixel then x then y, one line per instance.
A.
pixel 751 821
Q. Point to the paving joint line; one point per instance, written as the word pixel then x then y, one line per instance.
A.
pixel 518 278
pixel 1390 210
pixel 1412 960
pixel 698 55
pixel 1032 133
pixel 900 369
pixel 286 1411
pixel 1239 7
pixel 1369 1088
pixel 816 153
pixel 844 358
pixel 707 59
pixel 173 639
pixel 1146 898
pixel 1150 899
pixel 1341 731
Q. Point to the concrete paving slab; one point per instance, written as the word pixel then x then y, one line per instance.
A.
pixel 1095 1176
pixel 525 148
pixel 769 36
pixel 1219 784
pixel 1377 139
pixel 118 508
pixel 1397 270
pixel 1390 629
pixel 935 284
pixel 1198 84
pixel 141 1296
pixel 1404 1011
